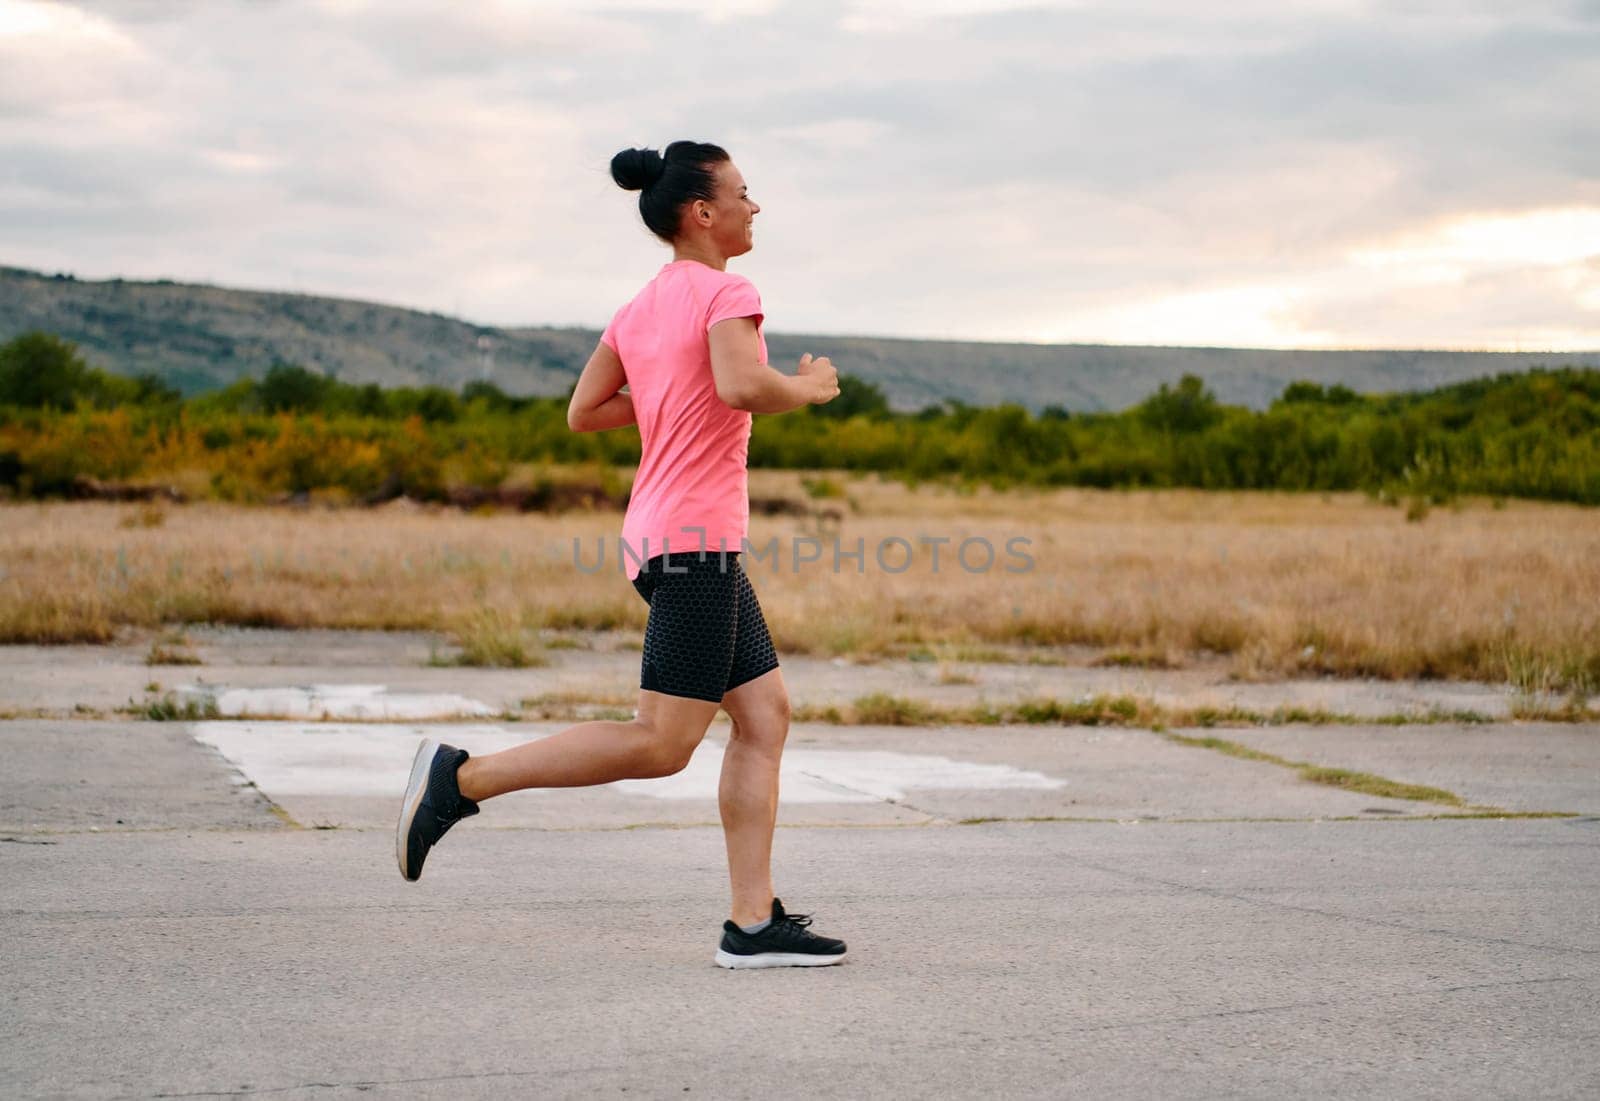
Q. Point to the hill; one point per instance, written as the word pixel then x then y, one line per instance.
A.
pixel 200 337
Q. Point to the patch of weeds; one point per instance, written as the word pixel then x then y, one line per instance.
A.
pixel 575 705
pixel 1381 787
pixel 1228 748
pixel 167 708
pixel 881 709
pixel 1363 782
pixel 812 713
pixel 172 648
pixel 1089 711
pixel 1580 677
pixel 1242 716
pixel 1123 711
pixel 1311 716
pixel 1132 659
pixel 279 813
pixel 1536 679
pixel 980 654
pixel 492 639
pixel 1528 672
pixel 1432 715
pixel 1570 711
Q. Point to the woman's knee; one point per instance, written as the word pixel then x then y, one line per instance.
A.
pixel 669 745
pixel 667 758
pixel 779 709
pixel 762 722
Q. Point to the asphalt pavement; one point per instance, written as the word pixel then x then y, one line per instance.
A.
pixel 212 909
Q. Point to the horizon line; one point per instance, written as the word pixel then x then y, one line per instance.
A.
pixel 68 276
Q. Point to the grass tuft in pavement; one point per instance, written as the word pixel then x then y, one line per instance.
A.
pixel 172 648
pixel 493 639
pixel 1104 710
pixel 167 708
pixel 1364 782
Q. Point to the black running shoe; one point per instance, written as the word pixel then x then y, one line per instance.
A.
pixel 785 943
pixel 432 804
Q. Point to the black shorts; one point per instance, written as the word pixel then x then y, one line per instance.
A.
pixel 706 634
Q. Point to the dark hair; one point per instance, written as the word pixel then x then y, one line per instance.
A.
pixel 667 182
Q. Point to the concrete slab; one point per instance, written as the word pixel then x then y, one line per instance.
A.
pixel 1416 959
pixel 1518 766
pixel 119 775
pixel 1109 772
pixel 349 775
pixel 58 678
pixel 325 702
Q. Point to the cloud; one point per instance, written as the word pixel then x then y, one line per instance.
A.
pixel 1146 171
pixel 57 60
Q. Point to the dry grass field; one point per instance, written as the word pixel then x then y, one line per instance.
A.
pixel 1279 583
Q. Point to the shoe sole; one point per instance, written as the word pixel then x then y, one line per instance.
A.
pixel 416 788
pixel 775 959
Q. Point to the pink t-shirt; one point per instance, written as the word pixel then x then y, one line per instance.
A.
pixel 692 473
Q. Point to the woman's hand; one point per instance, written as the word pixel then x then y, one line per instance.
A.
pixel 821 374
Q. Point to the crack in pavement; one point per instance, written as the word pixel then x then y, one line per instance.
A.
pixel 1217 892
pixel 933 819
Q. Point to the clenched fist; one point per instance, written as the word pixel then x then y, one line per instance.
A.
pixel 821 373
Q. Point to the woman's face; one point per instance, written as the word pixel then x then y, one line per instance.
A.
pixel 730 217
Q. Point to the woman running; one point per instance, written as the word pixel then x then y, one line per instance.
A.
pixel 690 349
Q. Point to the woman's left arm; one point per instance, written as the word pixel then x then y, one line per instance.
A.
pixel 598 402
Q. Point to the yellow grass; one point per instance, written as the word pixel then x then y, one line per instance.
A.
pixel 1278 583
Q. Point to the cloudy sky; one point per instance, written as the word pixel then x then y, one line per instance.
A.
pixel 1289 173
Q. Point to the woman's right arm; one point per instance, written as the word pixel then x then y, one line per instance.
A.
pixel 597 401
pixel 744 382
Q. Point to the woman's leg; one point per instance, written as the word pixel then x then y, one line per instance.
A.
pixel 684 664
pixel 657 743
pixel 748 792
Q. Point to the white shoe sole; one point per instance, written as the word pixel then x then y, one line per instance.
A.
pixel 421 765
pixel 775 959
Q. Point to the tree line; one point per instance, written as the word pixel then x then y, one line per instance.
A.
pixel 1526 434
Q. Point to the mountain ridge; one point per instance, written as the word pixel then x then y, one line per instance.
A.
pixel 200 336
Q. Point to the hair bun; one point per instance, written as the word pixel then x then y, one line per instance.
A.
pixel 637 169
